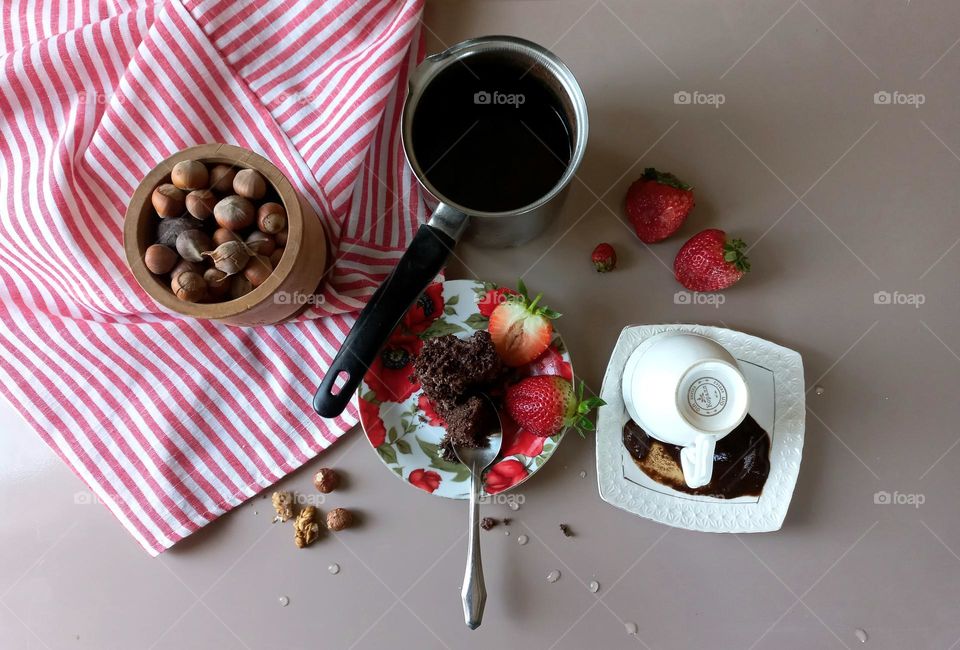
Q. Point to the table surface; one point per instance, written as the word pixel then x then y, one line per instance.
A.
pixel 840 194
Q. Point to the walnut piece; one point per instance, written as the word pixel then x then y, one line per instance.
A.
pixel 305 528
pixel 283 504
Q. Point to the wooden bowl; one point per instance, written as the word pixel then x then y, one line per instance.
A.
pixel 294 280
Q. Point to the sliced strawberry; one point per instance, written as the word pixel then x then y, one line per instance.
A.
pixel 545 405
pixel 520 328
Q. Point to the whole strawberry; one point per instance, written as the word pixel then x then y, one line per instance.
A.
pixel 520 328
pixel 708 262
pixel 657 205
pixel 544 405
pixel 604 258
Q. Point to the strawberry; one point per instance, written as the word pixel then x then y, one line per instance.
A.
pixel 544 405
pixel 521 328
pixel 657 204
pixel 708 262
pixel 604 258
pixel 492 298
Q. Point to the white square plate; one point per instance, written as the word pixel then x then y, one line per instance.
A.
pixel 775 377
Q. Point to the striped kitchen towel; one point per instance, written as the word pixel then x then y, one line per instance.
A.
pixel 172 422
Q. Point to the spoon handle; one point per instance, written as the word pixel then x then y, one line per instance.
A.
pixel 474 592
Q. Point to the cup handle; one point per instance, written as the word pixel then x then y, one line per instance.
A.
pixel 696 461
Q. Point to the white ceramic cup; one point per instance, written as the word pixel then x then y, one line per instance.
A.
pixel 687 390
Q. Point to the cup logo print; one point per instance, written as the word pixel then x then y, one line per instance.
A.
pixel 497 98
pixel 707 396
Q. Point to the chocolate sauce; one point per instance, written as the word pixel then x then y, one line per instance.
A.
pixel 741 462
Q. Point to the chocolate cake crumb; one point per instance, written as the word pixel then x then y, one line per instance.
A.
pixel 487 523
pixel 505 521
pixel 565 529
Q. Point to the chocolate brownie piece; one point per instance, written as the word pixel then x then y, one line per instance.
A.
pixel 451 369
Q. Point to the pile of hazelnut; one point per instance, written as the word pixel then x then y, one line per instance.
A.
pixel 221 232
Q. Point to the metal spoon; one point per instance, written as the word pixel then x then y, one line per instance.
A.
pixel 474 592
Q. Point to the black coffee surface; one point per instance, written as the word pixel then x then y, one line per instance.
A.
pixel 490 135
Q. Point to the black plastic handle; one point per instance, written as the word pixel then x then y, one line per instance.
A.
pixel 425 257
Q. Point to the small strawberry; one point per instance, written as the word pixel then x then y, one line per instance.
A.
pixel 521 328
pixel 604 258
pixel 708 262
pixel 657 204
pixel 544 405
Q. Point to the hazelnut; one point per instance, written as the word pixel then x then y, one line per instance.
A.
pixel 281 238
pixel 221 178
pixel 169 229
pixel 250 184
pixel 231 257
pixel 234 213
pixel 258 270
pixel 189 286
pixel 189 175
pixel 159 258
pixel 218 283
pixel 200 203
pixel 261 242
pixel 271 218
pixel 275 257
pixel 183 266
pixel 239 287
pixel 326 480
pixel 222 236
pixel 339 519
pixel 192 244
pixel 168 200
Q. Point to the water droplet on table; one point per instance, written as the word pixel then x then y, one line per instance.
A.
pixel 553 576
pixel 583 474
pixel 861 635
pixel 255 512
pixel 594 586
pixel 513 505
pixel 334 569
pixel 522 540
pixel 630 627
pixel 283 600
pixel 507 533
pixel 819 390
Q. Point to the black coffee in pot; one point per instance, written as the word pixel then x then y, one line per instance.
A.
pixel 490 135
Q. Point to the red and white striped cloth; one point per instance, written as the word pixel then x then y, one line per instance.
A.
pixel 172 422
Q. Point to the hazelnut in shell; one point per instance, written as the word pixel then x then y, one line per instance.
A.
pixel 339 519
pixel 160 259
pixel 250 184
pixel 189 175
pixel 326 480
pixel 221 178
pixel 261 243
pixel 222 236
pixel 234 213
pixel 271 218
pixel 239 287
pixel 168 200
pixel 257 270
pixel 281 238
pixel 189 286
pixel 218 283
pixel 183 266
pixel 231 257
pixel 169 229
pixel 275 257
pixel 200 203
pixel 192 244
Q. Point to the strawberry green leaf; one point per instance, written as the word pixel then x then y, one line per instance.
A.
pixel 734 252
pixel 665 178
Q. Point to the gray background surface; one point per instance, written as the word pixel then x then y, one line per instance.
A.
pixel 840 196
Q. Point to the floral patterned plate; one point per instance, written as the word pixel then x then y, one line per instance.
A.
pixel 401 424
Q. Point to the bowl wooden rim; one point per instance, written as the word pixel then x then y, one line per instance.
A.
pixel 212 153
